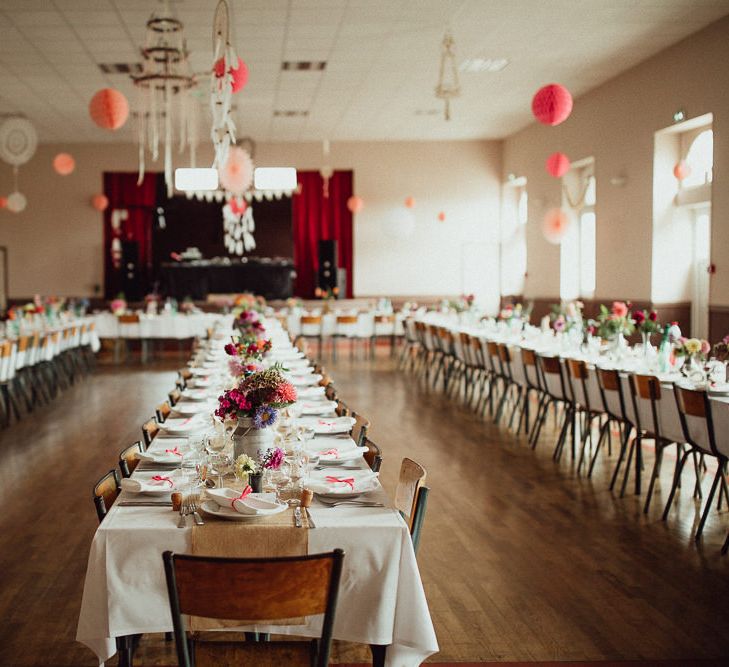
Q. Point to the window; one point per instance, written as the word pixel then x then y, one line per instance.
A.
pixel 579 244
pixel 699 157
pixel 513 244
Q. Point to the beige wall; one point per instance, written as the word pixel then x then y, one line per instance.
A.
pixel 55 245
pixel 616 123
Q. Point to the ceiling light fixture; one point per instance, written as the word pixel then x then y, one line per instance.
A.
pixel 448 86
pixel 483 65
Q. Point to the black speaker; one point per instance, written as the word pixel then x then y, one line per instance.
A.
pixel 327 276
pixel 131 283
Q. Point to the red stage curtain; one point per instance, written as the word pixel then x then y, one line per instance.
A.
pixel 139 202
pixel 318 217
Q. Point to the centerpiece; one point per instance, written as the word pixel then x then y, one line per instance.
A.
pixel 615 324
pixel 646 324
pixel 246 355
pixel 254 403
pixel 248 323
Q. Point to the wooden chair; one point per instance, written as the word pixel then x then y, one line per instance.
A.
pixel 124 322
pixel 346 328
pixel 264 589
pixel 697 423
pixel 373 455
pixel 330 392
pixel 184 375
pixel 411 497
pixel 106 491
pixel 312 328
pixel 174 396
pixel 555 389
pixel 384 327
pixel 150 429
pixel 129 458
pixel 578 375
pixel 359 430
pixel 162 411
pixel 342 409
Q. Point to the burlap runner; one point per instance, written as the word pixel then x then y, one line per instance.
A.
pixel 260 538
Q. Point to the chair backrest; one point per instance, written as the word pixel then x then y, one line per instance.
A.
pixel 106 491
pixel 645 390
pixel 163 411
pixel 330 391
pixel 347 319
pixel 359 430
pixel 373 455
pixel 128 319
pixel 129 458
pixel 412 476
pixel 384 319
pixel 175 395
pixel 577 377
pixel 149 430
pixel 612 392
pixel 342 409
pixel 697 422
pixel 310 319
pixel 265 589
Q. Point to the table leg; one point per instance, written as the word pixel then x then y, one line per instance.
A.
pixel 379 653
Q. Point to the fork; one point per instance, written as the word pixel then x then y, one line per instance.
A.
pixel 195 515
pixel 184 511
pixel 357 503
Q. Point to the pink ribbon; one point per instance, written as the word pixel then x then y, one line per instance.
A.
pixel 159 478
pixel 326 423
pixel 243 494
pixel 187 421
pixel 333 452
pixel 343 480
pixel 174 451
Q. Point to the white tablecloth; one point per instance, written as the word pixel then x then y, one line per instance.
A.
pixel 164 325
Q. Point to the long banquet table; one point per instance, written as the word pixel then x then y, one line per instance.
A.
pixel 381 597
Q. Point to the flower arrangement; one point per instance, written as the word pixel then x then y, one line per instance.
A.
pixel 615 321
pixel 249 323
pixel 691 347
pixel 272 458
pixel 646 322
pixel 245 465
pixel 462 304
pixel 119 305
pixel 510 312
pixel 293 302
pixel 328 294
pixel 259 396
pixel 567 317
pixel 249 348
pixel 721 349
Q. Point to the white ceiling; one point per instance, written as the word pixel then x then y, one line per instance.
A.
pixel 382 59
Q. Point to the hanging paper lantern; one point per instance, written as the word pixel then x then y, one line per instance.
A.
pixel 552 104
pixel 441 216
pixel 409 202
pixel 558 164
pixel 100 202
pixel 3 202
pixel 64 164
pixel 109 109
pixel 355 204
pixel 555 225
pixel 17 202
pixel 240 73
pixel 237 174
pixel 682 170
pixel 238 206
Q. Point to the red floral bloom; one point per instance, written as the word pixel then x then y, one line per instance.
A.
pixel 285 393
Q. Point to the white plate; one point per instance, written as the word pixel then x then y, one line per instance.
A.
pixel 317 407
pixel 197 395
pixel 213 509
pixel 161 489
pixel 179 426
pixel 200 371
pixel 344 454
pixel 303 380
pixel 310 392
pixel 201 381
pixel 329 425
pixel 719 389
pixel 188 408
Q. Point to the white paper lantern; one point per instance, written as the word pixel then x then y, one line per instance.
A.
pixel 17 202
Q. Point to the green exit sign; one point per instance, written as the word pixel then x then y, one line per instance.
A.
pixel 679 115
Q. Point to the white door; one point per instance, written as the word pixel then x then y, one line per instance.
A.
pixel 701 261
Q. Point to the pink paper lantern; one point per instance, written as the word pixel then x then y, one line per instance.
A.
pixel 100 202
pixel 552 104
pixel 64 164
pixel 409 202
pixel 558 164
pixel 240 73
pixel 555 225
pixel 355 204
pixel 238 206
pixel 682 170
pixel 3 202
pixel 109 109
pixel 237 174
pixel 441 216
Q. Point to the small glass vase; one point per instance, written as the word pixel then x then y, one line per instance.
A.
pixel 646 338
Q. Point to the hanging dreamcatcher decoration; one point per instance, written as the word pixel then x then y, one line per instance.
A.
pixel 326 170
pixel 168 110
pixel 18 142
pixel 448 85
pixel 227 73
pixel 238 226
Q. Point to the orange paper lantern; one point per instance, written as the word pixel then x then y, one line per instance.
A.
pixel 109 109
pixel 355 204
pixel 64 164
pixel 558 164
pixel 682 170
pixel 237 174
pixel 441 216
pixel 552 104
pixel 409 202
pixel 555 225
pixel 3 202
pixel 100 202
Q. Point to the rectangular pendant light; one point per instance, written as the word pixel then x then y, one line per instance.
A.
pixel 187 179
pixel 275 178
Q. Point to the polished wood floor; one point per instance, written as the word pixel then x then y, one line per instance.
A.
pixel 522 560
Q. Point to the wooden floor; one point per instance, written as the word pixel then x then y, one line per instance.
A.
pixel 521 559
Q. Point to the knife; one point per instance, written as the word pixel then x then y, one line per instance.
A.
pixel 308 516
pixel 297 518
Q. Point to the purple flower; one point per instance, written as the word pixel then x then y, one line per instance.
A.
pixel 264 416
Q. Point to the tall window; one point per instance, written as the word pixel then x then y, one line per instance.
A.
pixel 513 244
pixel 578 247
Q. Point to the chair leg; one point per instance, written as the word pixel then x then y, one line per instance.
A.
pixel 654 475
pixel 674 486
pixel 626 474
pixel 379 653
pixel 623 447
pixel 709 500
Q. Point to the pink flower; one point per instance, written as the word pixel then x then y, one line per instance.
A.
pixel 705 347
pixel 638 317
pixel 620 308
pixel 285 393
pixel 653 316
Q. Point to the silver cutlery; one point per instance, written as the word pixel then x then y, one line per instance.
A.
pixel 182 523
pixel 344 467
pixel 145 503
pixel 353 502
pixel 308 516
pixel 297 518
pixel 195 514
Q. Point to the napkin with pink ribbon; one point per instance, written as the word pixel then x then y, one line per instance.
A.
pixel 356 482
pixel 155 484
